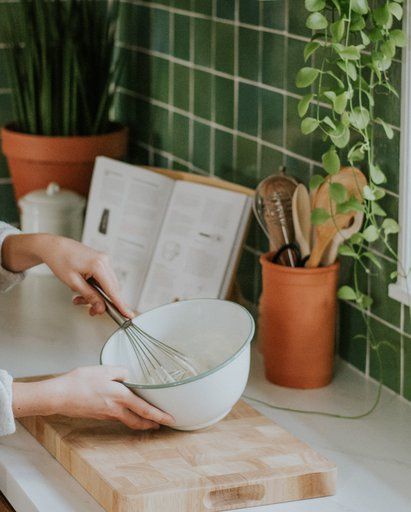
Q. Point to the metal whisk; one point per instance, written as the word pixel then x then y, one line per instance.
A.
pixel 159 363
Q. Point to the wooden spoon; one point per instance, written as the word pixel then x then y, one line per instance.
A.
pixel 354 181
pixel 302 219
pixel 353 226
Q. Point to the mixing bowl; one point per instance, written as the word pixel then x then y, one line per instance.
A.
pixel 217 334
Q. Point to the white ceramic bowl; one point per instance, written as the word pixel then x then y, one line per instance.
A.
pixel 217 333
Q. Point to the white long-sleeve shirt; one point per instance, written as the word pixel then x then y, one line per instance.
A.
pixel 7 281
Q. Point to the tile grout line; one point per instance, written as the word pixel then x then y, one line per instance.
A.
pixel 236 66
pixel 171 27
pixel 191 38
pixel 285 79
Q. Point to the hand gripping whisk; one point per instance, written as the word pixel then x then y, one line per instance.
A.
pixel 159 363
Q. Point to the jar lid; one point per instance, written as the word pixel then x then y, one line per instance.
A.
pixel 53 196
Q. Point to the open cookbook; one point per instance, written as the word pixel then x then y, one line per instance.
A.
pixel 169 239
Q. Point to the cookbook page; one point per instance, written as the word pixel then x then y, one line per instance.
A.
pixel 195 245
pixel 124 215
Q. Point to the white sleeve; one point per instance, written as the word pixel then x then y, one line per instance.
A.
pixel 8 279
pixel 7 425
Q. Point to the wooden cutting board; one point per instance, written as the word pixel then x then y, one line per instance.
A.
pixel 245 460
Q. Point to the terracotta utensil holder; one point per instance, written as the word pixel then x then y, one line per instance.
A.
pixel 298 309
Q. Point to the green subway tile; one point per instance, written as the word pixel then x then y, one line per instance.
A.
pixel 248 59
pixel 182 37
pixel 295 140
pixel 295 61
pixel 160 160
pixel 273 60
pixel 246 275
pixel 274 14
pixel 246 169
pixel 159 30
pixel 272 117
pixel 384 307
pixel 249 12
pixel 248 109
pixel 181 87
pixel 159 78
pixel 224 47
pixel 160 133
pixel 407 367
pixel 203 6
pixel 223 155
pixel 202 94
pixel 353 329
pixel 8 208
pixel 177 166
pixel 202 42
pixel 201 155
pixel 297 16
pixel 389 342
pixel 225 9
pixel 387 155
pixel 298 169
pixel 271 160
pixel 180 136
pixel 139 78
pixel 224 100
pixel 181 4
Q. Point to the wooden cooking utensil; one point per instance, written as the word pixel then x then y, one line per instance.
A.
pixel 354 225
pixel 302 219
pixel 354 181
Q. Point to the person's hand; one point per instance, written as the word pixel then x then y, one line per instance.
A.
pixel 88 392
pixel 72 262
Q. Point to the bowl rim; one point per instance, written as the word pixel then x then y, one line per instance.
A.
pixel 236 354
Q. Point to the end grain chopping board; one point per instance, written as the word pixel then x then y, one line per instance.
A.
pixel 245 460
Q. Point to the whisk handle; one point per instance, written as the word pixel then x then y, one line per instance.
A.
pixel 111 309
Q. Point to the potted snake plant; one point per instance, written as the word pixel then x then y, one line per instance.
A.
pixel 62 68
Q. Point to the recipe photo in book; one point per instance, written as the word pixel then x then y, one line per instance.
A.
pixel 168 239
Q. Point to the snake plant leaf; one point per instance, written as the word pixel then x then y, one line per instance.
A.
pixel 331 161
pixel 316 21
pixel 306 76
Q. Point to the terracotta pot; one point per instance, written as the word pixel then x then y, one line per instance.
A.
pixel 298 309
pixel 36 160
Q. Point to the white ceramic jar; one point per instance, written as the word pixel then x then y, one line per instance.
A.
pixel 53 210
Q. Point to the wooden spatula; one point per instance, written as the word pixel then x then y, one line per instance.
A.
pixel 354 181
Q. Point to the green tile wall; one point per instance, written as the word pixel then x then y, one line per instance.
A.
pixel 209 88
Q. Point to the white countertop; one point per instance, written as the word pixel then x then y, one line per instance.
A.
pixel 41 332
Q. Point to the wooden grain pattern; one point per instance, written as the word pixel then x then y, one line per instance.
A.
pixel 5 505
pixel 245 460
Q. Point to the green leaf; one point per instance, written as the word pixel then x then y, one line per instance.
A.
pixel 331 161
pixel 338 193
pixel 304 104
pixel 310 48
pixel 360 117
pixel 377 210
pixel 356 154
pixel 371 234
pixel 389 132
pixel 349 53
pixel 315 181
pixel 364 301
pixel 382 16
pixel 388 49
pixel 308 125
pixel 393 275
pixel 364 38
pixel 316 21
pixel 390 226
pixel 346 250
pixel 396 10
pixel 346 293
pixel 340 102
pixel 399 38
pixel 306 76
pixel 379 193
pixel 373 258
pixel 360 6
pixel 349 68
pixel 314 5
pixel 352 205
pixel 337 30
pixel 327 120
pixel 368 193
pixel 341 136
pixel 319 216
pixel 356 239
pixel 376 174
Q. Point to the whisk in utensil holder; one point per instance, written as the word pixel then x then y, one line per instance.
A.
pixel 298 309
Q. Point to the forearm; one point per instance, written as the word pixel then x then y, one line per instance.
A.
pixel 23 251
pixel 36 398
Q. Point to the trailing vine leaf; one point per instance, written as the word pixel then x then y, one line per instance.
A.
pixel 316 21
pixel 399 38
pixel 389 132
pixel 371 234
pixel 331 161
pixel 308 125
pixel 319 216
pixel 376 174
pixel 390 226
pixel 346 293
pixel 310 48
pixel 360 6
pixel 304 104
pixel 346 250
pixel 338 193
pixel 337 30
pixel 315 181
pixel 359 117
pixel 382 16
pixel 314 5
pixel 348 67
pixel 306 76
pixel 377 210
pixel 395 9
pixel 373 258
